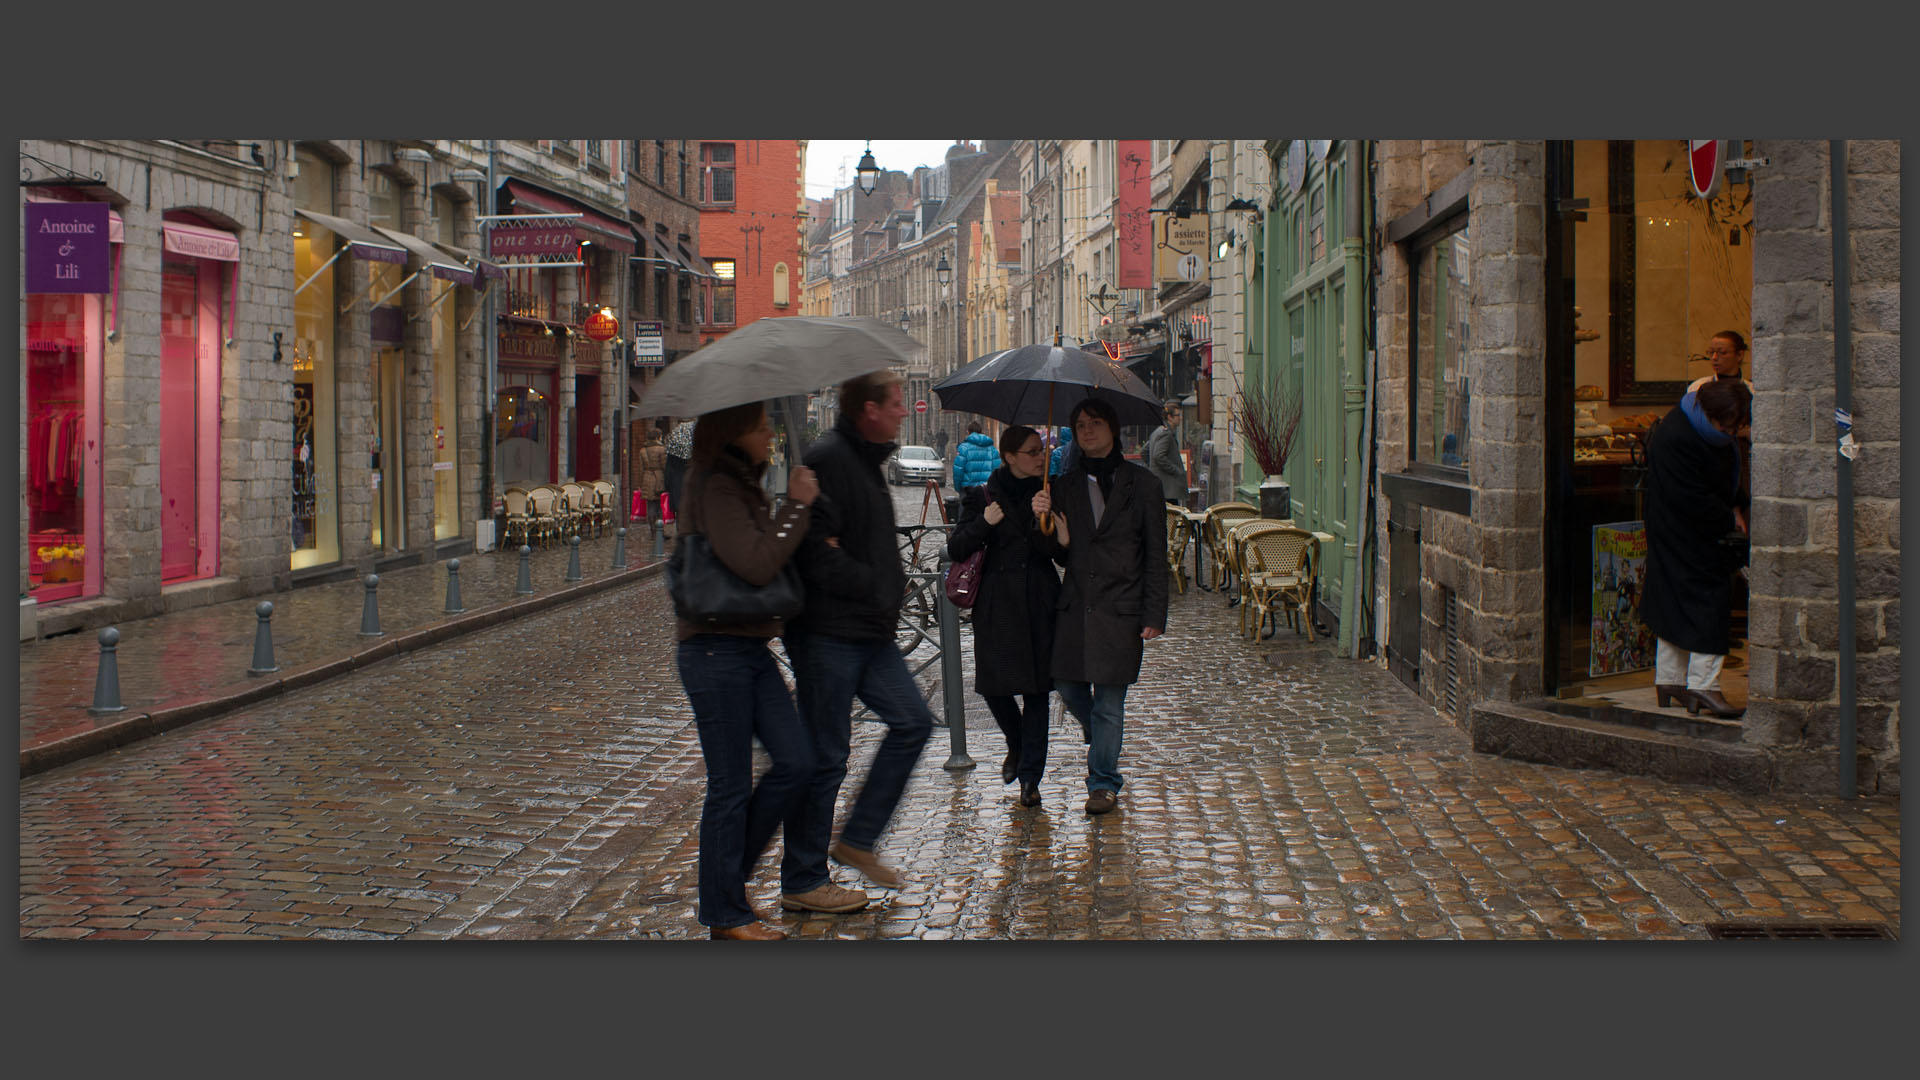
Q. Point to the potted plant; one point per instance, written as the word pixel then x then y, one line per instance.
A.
pixel 1269 419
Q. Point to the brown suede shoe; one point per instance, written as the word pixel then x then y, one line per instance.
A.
pixel 868 864
pixel 1711 701
pixel 1102 800
pixel 829 898
pixel 753 931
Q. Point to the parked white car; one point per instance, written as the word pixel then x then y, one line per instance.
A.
pixel 916 465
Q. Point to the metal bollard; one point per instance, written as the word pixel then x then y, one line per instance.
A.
pixel 659 541
pixel 106 683
pixel 370 610
pixel 950 676
pixel 454 607
pixel 263 641
pixel 620 548
pixel 573 559
pixel 525 586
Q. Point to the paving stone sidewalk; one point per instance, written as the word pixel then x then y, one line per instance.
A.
pixel 183 665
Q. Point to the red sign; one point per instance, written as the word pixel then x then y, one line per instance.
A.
pixel 1706 160
pixel 533 240
pixel 919 406
pixel 601 325
pixel 1130 218
pixel 530 347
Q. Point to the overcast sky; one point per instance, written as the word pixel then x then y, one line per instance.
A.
pixel 826 156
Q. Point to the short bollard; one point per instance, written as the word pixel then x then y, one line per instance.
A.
pixel 620 548
pixel 453 587
pixel 573 559
pixel 370 611
pixel 263 641
pixel 659 541
pixel 525 585
pixel 106 683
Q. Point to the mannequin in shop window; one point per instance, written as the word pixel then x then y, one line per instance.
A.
pixel 1694 504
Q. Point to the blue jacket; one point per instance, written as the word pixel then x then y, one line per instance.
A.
pixel 1059 463
pixel 973 461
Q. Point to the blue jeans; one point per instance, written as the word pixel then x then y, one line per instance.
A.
pixel 829 672
pixel 737 693
pixel 1101 711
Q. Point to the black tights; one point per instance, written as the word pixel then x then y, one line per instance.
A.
pixel 1026 734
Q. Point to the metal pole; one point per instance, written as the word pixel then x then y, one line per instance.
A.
pixel 454 606
pixel 1845 736
pixel 490 335
pixel 106 679
pixel 370 609
pixel 950 676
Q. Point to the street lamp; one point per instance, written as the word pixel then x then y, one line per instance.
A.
pixel 943 273
pixel 867 175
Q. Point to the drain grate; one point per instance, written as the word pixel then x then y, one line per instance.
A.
pixel 1802 931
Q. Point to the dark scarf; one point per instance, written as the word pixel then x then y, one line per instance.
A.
pixel 1101 469
pixel 1015 495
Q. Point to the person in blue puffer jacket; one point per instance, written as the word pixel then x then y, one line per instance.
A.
pixel 973 460
pixel 1064 457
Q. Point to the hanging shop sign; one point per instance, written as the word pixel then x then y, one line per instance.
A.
pixel 1706 163
pixel 526 240
pixel 601 325
pixel 1132 222
pixel 1181 254
pixel 67 247
pixel 649 344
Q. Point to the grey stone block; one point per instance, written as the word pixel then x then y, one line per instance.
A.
pixel 1876 361
pixel 1873 202
pixel 1802 677
pixel 1875 255
pixel 1800 256
pixel 1786 204
pixel 1876 307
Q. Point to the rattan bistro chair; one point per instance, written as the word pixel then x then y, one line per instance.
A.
pixel 577 514
pixel 1213 536
pixel 546 514
pixel 1238 534
pixel 1282 567
pixel 604 497
pixel 1177 547
pixel 519 525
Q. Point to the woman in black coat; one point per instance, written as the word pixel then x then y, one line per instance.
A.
pixel 1693 502
pixel 1013 616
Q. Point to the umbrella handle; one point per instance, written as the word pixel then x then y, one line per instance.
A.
pixel 1046 519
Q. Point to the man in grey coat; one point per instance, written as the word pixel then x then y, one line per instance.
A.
pixel 1111 536
pixel 1163 457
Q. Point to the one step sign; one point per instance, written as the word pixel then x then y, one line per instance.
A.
pixel 66 247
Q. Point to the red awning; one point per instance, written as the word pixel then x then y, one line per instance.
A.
pixel 592 225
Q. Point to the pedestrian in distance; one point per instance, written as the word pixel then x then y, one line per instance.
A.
pixel 843 645
pixel 1163 457
pixel 1013 615
pixel 1693 503
pixel 974 460
pixel 1111 536
pixel 1065 454
pixel 679 443
pixel 729 673
pixel 647 474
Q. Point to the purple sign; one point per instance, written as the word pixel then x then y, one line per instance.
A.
pixel 536 240
pixel 66 247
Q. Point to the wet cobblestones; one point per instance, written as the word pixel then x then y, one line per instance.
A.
pixel 542 779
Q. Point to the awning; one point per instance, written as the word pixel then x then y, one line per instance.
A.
pixel 200 242
pixel 443 265
pixel 695 263
pixel 362 241
pixel 592 225
pixel 482 268
pixel 116 225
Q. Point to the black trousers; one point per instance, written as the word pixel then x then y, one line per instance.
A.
pixel 1026 733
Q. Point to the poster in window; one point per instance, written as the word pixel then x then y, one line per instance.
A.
pixel 304 480
pixel 1620 641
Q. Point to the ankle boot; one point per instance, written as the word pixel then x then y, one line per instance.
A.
pixel 1664 691
pixel 1713 703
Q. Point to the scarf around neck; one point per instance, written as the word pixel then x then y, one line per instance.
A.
pixel 1102 468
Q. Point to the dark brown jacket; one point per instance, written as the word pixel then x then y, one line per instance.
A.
pixel 729 507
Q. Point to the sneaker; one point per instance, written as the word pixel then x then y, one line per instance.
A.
pixel 867 863
pixel 829 898
pixel 1102 800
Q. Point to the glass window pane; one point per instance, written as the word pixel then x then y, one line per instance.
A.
pixel 1440 321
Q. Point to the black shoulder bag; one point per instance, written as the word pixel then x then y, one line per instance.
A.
pixel 705 592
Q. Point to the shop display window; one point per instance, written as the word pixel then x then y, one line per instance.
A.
pixel 315 511
pixel 1441 290
pixel 62 458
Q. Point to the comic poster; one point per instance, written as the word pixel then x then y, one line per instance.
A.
pixel 1620 642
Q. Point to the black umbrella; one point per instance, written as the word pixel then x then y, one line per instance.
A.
pixel 1033 383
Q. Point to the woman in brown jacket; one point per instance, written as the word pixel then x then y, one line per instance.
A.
pixel 647 474
pixel 729 672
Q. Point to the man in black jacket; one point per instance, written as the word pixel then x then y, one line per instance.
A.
pixel 843 644
pixel 1111 536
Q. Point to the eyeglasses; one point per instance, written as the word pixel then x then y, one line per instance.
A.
pixel 1031 451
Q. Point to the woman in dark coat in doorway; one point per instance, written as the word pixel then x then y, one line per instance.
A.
pixel 1693 502
pixel 1014 615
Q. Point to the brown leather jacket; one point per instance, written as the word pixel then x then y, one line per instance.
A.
pixel 729 507
pixel 647 469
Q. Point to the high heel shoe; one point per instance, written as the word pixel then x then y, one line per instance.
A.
pixel 1711 701
pixel 1679 694
pixel 1029 793
pixel 753 931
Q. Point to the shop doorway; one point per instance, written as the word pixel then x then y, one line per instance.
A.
pixel 1643 273
pixel 585 424
pixel 388 461
pixel 189 377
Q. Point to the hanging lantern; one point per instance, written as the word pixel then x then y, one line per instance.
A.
pixel 602 326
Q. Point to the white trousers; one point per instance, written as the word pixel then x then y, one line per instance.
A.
pixel 1675 666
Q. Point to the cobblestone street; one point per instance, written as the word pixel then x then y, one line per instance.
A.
pixel 542 779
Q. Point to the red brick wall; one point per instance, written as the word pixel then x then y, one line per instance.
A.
pixel 768 196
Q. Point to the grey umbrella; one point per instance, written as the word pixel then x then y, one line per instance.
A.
pixel 776 357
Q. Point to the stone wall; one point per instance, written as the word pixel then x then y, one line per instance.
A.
pixel 1793 620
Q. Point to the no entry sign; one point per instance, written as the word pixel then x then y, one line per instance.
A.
pixel 919 406
pixel 1706 161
